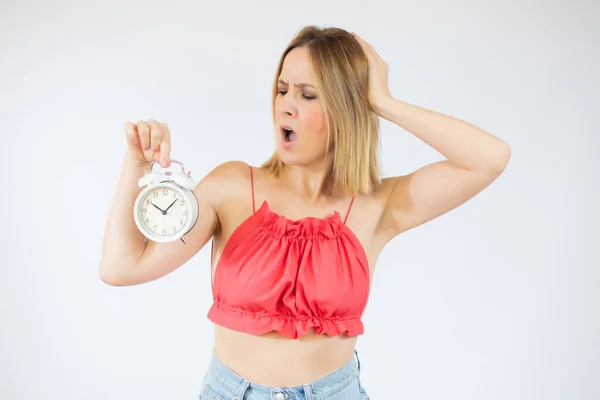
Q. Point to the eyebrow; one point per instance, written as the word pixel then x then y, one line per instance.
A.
pixel 298 85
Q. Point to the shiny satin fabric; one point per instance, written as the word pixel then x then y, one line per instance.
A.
pixel 277 274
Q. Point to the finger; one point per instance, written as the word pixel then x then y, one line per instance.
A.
pixel 359 39
pixel 165 146
pixel 156 135
pixel 165 149
pixel 143 131
pixel 131 135
pixel 366 46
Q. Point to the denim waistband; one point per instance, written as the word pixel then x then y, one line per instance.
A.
pixel 237 385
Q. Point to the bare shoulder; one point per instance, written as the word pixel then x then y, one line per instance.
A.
pixel 380 198
pixel 226 180
pixel 390 186
pixel 383 191
pixel 230 169
pixel 368 209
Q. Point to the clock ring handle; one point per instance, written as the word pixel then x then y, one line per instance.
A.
pixel 172 161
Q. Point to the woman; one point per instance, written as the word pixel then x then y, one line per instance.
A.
pixel 295 240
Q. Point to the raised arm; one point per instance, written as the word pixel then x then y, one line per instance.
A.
pixel 474 159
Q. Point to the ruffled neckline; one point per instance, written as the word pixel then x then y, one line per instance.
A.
pixel 303 227
pixel 277 225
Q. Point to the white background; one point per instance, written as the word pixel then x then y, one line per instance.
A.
pixel 496 300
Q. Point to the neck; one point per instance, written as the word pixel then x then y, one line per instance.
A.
pixel 311 181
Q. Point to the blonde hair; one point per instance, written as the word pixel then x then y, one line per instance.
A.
pixel 341 71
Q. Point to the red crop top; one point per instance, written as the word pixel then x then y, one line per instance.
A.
pixel 276 274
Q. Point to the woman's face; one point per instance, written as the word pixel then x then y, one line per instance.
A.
pixel 298 107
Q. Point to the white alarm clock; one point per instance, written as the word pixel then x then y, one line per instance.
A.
pixel 166 209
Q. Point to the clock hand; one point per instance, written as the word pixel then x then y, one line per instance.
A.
pixel 171 205
pixel 158 208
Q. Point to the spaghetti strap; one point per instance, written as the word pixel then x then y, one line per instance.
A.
pixel 348 212
pixel 212 255
pixel 252 183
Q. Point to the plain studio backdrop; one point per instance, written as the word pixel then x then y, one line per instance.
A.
pixel 495 300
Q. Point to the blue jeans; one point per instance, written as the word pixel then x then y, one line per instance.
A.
pixel 221 383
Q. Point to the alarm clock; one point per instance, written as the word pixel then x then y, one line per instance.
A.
pixel 166 209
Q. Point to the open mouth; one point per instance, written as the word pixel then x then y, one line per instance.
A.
pixel 288 134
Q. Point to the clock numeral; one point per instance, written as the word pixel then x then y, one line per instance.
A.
pixel 164 231
pixel 147 220
pixel 144 210
pixel 174 230
pixel 182 203
pixel 155 195
pixel 165 191
pixel 147 202
pixel 154 226
pixel 186 213
pixel 181 222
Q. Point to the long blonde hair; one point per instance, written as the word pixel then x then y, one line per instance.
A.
pixel 341 71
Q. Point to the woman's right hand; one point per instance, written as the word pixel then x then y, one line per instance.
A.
pixel 148 141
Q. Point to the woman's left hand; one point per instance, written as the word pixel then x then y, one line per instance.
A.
pixel 379 91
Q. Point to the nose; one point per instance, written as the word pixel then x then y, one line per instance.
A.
pixel 287 105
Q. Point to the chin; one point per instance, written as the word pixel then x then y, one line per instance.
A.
pixel 290 159
pixel 297 160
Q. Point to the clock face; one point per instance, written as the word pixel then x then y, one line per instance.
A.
pixel 163 212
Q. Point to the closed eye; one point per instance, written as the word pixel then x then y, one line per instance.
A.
pixel 283 92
